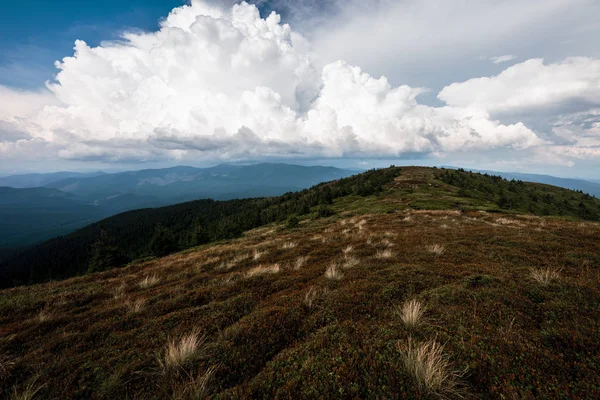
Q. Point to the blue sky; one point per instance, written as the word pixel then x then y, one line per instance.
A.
pixel 34 34
pixel 511 85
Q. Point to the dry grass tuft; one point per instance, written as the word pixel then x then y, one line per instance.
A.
pixel 333 272
pixel 300 261
pixel 387 253
pixel 436 249
pixel 149 281
pixel 289 245
pixel 411 313
pixel 135 306
pixel 119 291
pixel 361 224
pixel 196 388
pixel 29 392
pixel 544 276
pixel 347 250
pixel 258 254
pixel 387 243
pixel 310 297
pixel 350 262
pixel 430 368
pixel 263 270
pixel 178 352
pixel 44 315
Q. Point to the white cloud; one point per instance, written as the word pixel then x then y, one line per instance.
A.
pixel 432 42
pixel 530 86
pixel 225 84
pixel 502 59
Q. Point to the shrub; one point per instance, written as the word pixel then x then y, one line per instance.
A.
pixel 293 221
pixel 324 212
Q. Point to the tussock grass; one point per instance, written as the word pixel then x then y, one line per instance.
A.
pixel 135 306
pixel 430 368
pixel 179 352
pixel 387 243
pixel 387 253
pixel 544 276
pixel 333 272
pixel 149 281
pixel 44 315
pixel 258 254
pixel 436 249
pixel 263 270
pixel 310 297
pixel 289 245
pixel 411 313
pixel 350 262
pixel 240 257
pixel 300 261
pixel 196 388
pixel 361 224
pixel 29 392
pixel 119 291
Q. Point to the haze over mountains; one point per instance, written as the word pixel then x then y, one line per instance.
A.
pixel 67 201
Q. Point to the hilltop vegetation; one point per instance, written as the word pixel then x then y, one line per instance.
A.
pixel 350 305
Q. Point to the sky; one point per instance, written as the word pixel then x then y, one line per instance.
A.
pixel 497 85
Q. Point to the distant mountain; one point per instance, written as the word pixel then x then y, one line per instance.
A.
pixel 69 200
pixel 588 187
pixel 31 215
pixel 180 184
pixel 591 187
pixel 37 180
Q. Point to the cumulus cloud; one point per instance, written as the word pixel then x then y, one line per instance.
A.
pixel 216 83
pixel 503 59
pixel 530 85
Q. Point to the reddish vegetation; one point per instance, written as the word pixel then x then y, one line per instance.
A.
pixel 292 332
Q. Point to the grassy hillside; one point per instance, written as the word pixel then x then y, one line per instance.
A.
pixel 504 305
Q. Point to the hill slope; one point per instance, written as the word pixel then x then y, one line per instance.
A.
pixel 316 311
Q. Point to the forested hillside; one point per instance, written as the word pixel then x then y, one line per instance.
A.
pixel 155 232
